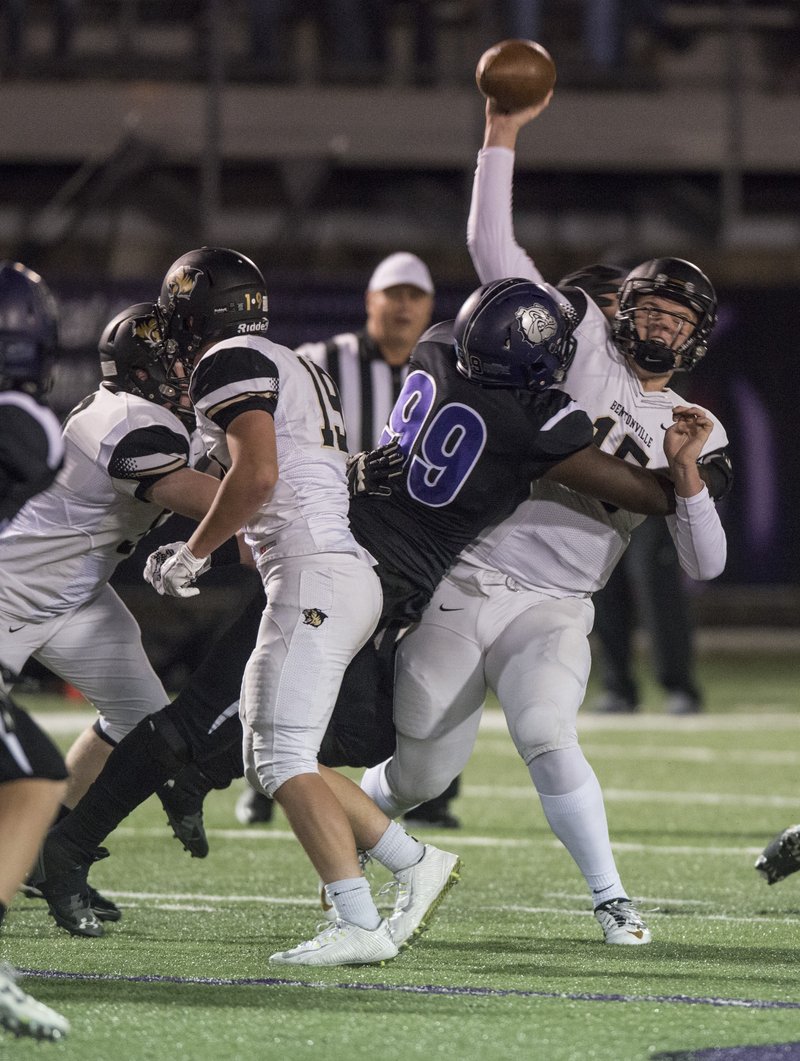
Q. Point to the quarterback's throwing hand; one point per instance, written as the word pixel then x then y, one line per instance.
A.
pixel 172 569
pixel 369 473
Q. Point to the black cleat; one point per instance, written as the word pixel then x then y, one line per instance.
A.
pixel 780 858
pixel 104 909
pixel 63 872
pixel 182 800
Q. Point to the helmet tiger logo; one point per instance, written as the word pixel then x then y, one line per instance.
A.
pixel 148 330
pixel 182 282
pixel 536 324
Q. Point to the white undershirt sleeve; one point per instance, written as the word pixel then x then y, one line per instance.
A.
pixel 699 536
pixel 490 229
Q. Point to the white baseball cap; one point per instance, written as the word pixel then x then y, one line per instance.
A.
pixel 401 268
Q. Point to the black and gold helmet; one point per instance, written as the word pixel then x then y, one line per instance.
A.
pixel 209 294
pixel 134 358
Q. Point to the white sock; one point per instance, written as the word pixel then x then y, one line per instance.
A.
pixel 578 819
pixel 353 902
pixel 374 783
pixel 396 849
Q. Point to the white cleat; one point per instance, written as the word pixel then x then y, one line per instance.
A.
pixel 420 889
pixel 342 944
pixel 21 1014
pixel 622 923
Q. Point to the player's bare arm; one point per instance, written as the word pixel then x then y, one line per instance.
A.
pixel 186 491
pixel 248 484
pixel 595 473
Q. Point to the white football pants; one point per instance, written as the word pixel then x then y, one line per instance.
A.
pixel 320 611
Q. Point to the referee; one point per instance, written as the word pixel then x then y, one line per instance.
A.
pixel 369 367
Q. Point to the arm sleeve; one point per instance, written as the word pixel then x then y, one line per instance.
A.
pixel 494 251
pixel 699 536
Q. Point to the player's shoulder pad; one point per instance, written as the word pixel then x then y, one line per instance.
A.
pixel 579 300
pixel 233 362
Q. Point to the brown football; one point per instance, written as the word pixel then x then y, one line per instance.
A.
pixel 516 74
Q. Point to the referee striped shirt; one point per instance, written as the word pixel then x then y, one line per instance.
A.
pixel 368 386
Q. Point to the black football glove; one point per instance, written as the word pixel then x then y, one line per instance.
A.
pixel 370 472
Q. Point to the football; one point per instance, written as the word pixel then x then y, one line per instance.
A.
pixel 516 74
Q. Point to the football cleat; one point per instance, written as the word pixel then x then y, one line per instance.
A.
pixel 21 1014
pixel 182 800
pixel 622 923
pixel 420 889
pixel 105 909
pixel 342 944
pixel 63 873
pixel 781 857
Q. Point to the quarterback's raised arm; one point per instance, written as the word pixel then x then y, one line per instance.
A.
pixel 490 229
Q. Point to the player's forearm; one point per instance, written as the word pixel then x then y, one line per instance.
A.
pixel 699 536
pixel 187 492
pixel 686 479
pixel 595 473
pixel 238 499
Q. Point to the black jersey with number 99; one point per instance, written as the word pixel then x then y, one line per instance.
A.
pixel 471 454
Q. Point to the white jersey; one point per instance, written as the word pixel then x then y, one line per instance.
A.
pixel 308 510
pixel 368 384
pixel 559 541
pixel 63 546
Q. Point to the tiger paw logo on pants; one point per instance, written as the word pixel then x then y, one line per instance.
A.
pixel 313 617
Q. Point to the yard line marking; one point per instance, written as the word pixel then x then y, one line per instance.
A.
pixel 746 717
pixel 128 832
pixel 623 795
pixel 694 754
pixel 651 913
pixel 414 989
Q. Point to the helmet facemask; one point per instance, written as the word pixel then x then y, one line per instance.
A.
pixel 677 281
pixel 134 357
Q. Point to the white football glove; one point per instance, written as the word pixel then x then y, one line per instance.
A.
pixel 171 570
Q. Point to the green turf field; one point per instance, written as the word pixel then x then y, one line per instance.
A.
pixel 514 966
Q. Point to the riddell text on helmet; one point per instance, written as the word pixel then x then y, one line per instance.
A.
pixel 253 326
